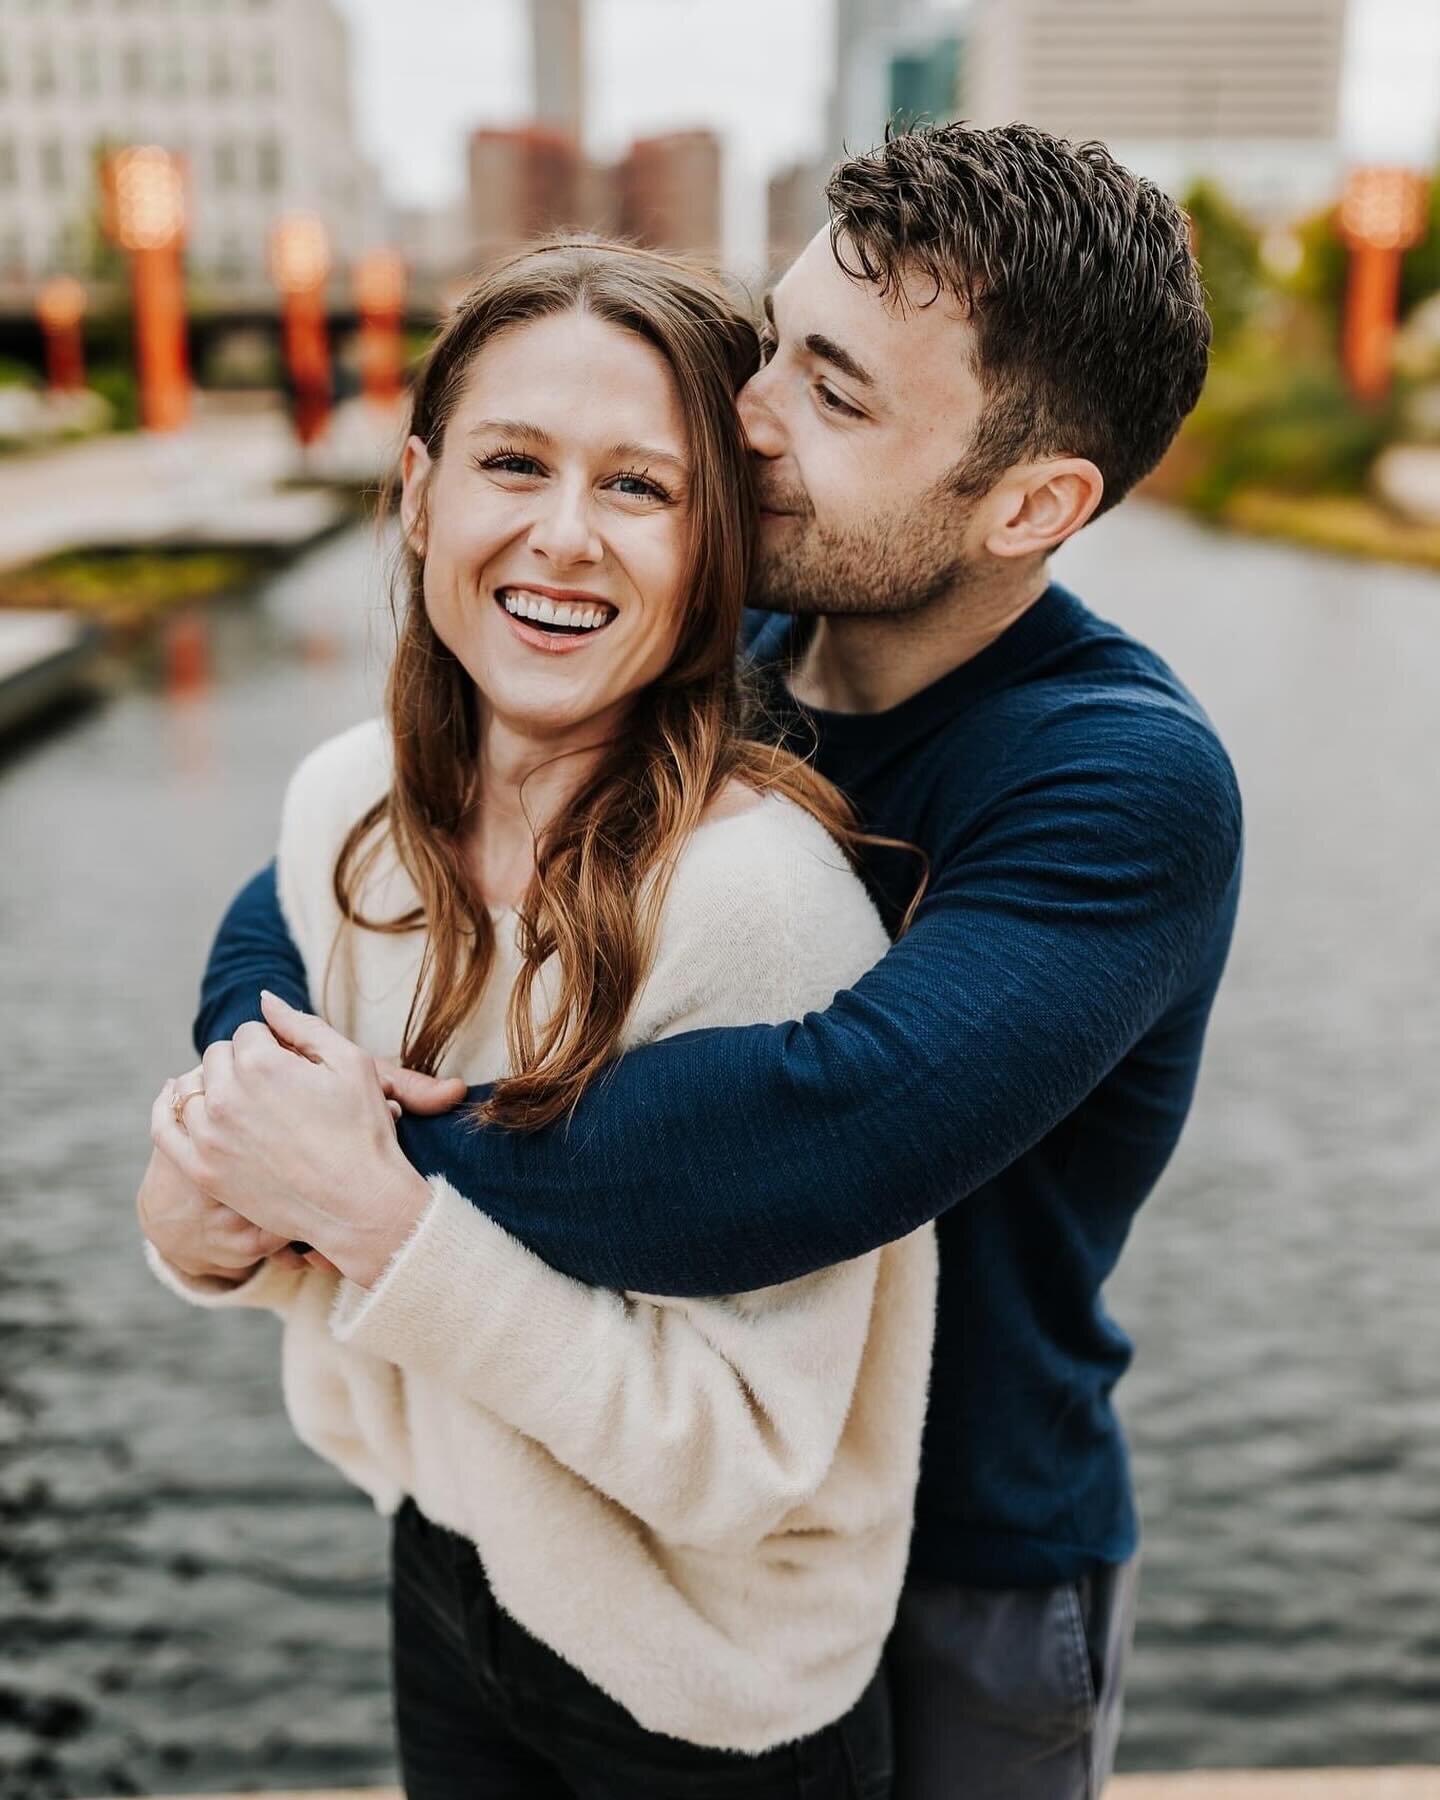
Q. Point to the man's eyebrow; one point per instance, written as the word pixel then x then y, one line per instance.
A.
pixel 826 349
pixel 829 351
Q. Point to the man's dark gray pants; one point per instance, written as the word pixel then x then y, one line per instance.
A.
pixel 1011 1694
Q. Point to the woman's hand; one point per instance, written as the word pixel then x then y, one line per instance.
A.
pixel 198 1235
pixel 294 1131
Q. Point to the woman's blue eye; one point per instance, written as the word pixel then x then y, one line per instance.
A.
pixel 643 488
pixel 506 458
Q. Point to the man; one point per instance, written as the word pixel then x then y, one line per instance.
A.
pixel 1002 335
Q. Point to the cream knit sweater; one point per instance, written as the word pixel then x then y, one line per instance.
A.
pixel 703 1505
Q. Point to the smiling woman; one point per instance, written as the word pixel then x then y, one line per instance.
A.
pixel 692 1516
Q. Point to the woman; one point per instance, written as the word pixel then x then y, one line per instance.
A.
pixel 691 1517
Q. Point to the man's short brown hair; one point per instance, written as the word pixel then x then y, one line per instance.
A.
pixel 1092 337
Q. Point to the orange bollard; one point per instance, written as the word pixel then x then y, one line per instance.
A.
pixel 1382 214
pixel 60 306
pixel 300 263
pixel 380 297
pixel 144 194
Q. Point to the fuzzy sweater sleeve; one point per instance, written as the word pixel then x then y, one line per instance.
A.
pixel 711 1419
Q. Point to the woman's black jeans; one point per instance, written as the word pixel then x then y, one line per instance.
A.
pixel 485 1710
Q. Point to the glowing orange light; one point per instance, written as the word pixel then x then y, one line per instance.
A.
pixel 1383 209
pixel 300 263
pixel 380 282
pixel 1382 214
pixel 380 296
pixel 60 306
pixel 299 252
pixel 144 191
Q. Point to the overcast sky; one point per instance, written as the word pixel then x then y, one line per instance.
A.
pixel 428 71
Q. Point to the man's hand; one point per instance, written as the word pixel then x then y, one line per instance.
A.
pixel 295 1130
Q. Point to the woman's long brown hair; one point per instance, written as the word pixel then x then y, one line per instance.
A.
pixel 603 864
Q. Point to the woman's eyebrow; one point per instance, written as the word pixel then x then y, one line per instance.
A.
pixel 511 428
pixel 646 453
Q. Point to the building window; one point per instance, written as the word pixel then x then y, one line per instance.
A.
pixel 52 165
pixel 12 251
pixel 267 165
pixel 87 68
pixel 174 76
pixel 132 68
pixel 8 169
pixel 264 68
pixel 4 72
pixel 222 79
pixel 43 69
pixel 227 164
pixel 232 257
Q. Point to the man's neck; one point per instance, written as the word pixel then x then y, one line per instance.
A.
pixel 869 662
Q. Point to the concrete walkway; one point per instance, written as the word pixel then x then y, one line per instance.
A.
pixel 218 481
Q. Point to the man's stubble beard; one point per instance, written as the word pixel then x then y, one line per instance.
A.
pixel 882 566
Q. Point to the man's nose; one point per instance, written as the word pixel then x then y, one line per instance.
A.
pixel 564 527
pixel 762 428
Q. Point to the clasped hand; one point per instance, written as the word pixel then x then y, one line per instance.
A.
pixel 292 1138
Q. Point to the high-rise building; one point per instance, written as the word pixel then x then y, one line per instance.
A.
pixel 255 97
pixel 557 41
pixel 522 181
pixel 1245 91
pixel 893 59
pixel 670 192
pixel 797 210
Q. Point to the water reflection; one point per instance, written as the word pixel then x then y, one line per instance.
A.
pixel 189 1599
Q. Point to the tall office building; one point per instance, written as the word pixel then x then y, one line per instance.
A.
pixel 523 180
pixel 557 41
pixel 893 59
pixel 669 191
pixel 256 96
pixel 1245 91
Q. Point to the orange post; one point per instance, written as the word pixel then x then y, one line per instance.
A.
pixel 300 263
pixel 60 306
pixel 380 297
pixel 1382 214
pixel 144 191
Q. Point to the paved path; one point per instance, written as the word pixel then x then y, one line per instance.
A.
pixel 217 481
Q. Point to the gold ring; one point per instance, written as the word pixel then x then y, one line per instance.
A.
pixel 177 1103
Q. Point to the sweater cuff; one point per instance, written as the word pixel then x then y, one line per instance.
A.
pixel 268 1285
pixel 464 1301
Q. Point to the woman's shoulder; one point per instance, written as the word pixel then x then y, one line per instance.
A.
pixel 332 786
pixel 764 918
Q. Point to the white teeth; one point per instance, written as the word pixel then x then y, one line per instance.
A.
pixel 525 605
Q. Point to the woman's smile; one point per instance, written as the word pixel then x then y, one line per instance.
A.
pixel 551 619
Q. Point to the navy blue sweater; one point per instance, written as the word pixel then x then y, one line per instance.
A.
pixel 1018 1067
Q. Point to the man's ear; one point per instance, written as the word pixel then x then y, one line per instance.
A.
pixel 1042 504
pixel 415 467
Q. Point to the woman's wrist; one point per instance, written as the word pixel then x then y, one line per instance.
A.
pixel 363 1248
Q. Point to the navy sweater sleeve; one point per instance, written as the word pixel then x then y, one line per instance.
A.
pixel 1058 927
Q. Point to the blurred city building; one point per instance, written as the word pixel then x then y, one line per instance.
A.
pixel 255 98
pixel 1245 93
pixel 796 211
pixel 670 192
pixel 529 179
pixel 557 44
pixel 522 180
pixel 893 59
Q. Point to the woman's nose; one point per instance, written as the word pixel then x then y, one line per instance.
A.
pixel 564 529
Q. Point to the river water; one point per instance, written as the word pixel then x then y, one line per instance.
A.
pixel 190 1601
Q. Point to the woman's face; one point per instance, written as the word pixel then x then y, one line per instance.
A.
pixel 555 524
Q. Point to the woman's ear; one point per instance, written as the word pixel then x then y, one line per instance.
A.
pixel 415 466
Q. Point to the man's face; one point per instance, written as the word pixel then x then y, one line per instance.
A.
pixel 858 419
